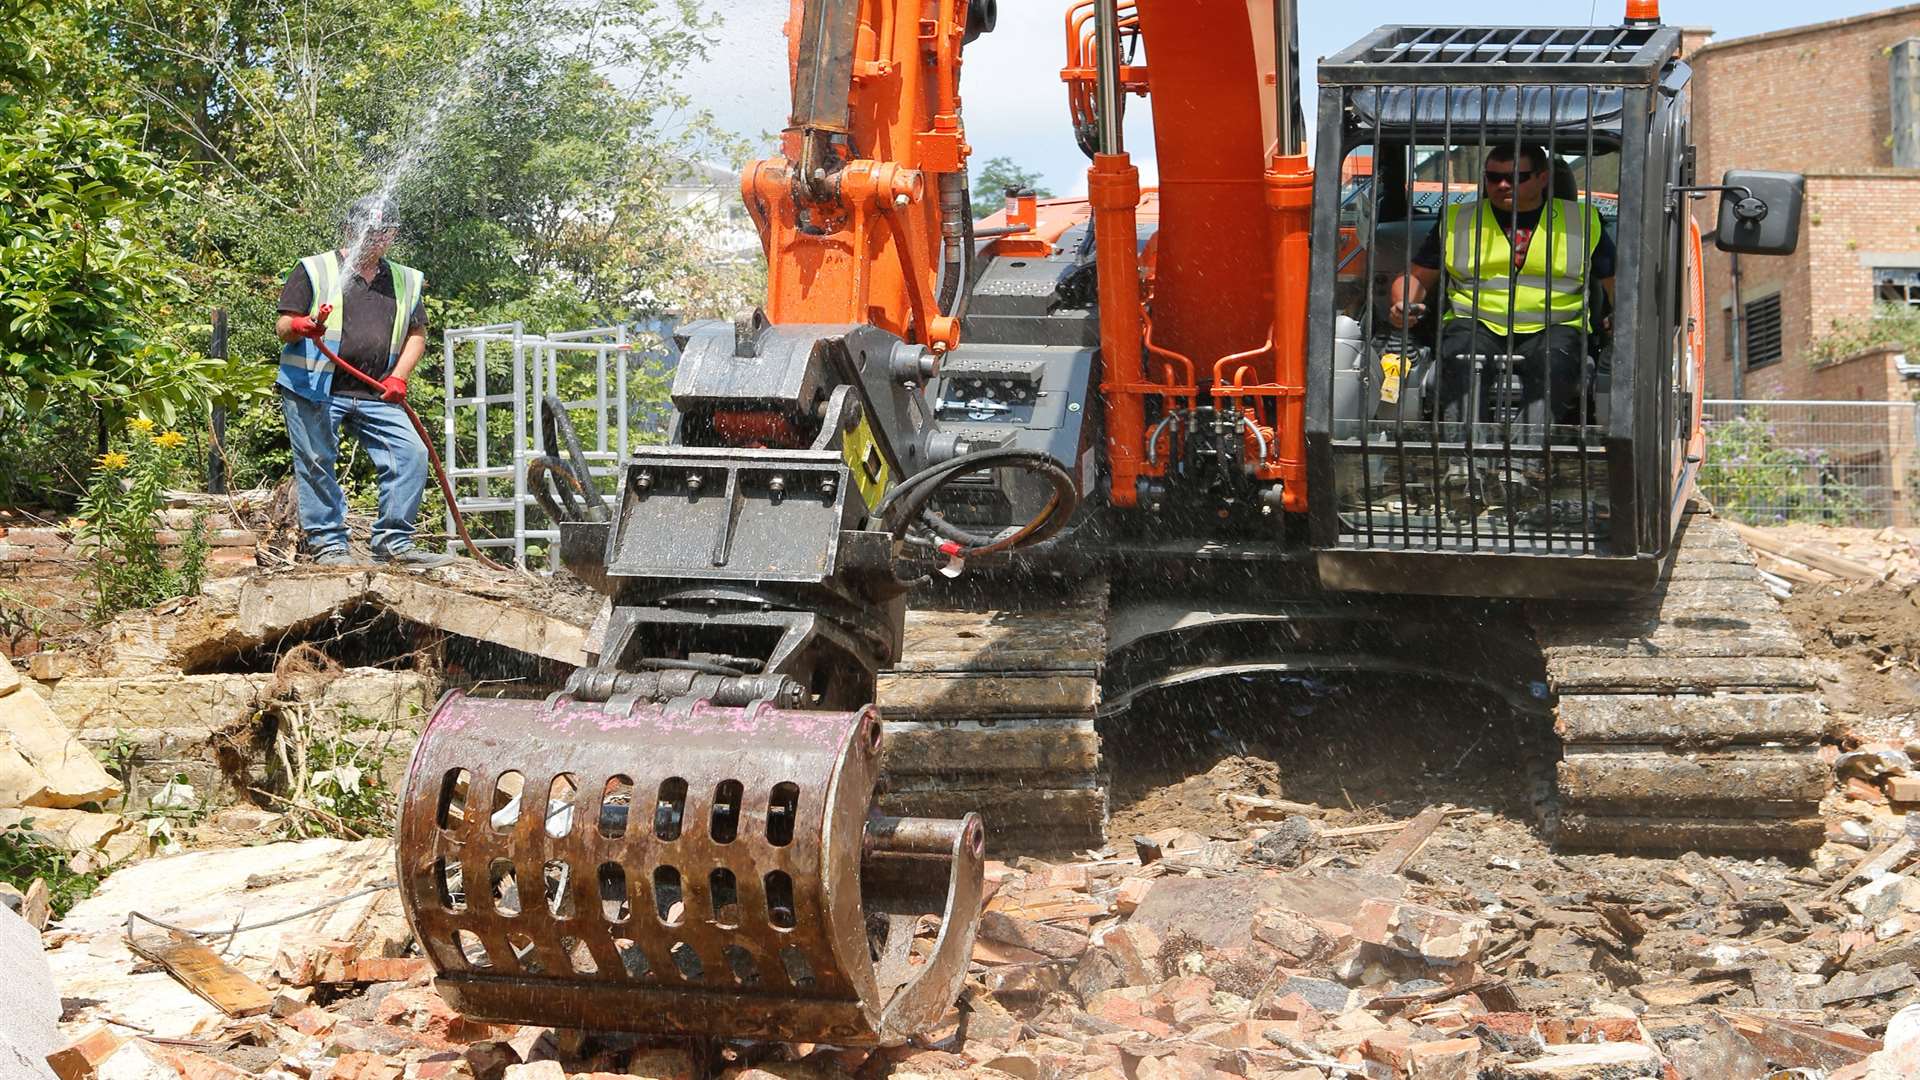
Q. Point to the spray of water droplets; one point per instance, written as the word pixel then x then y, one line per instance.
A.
pixel 425 135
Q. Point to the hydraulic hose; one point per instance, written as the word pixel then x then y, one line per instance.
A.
pixel 909 504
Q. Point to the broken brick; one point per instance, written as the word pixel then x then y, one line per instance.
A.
pixel 361 1065
pixel 1444 1059
pixel 1299 939
pixel 79 1058
pixel 135 1059
pixel 1437 936
pixel 1048 941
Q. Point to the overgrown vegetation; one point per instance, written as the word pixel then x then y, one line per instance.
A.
pixel 1751 476
pixel 159 161
pixel 331 768
pixel 24 856
pixel 1889 326
pixel 120 524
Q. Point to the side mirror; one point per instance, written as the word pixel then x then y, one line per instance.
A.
pixel 1760 212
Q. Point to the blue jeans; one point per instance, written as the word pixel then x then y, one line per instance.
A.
pixel 399 462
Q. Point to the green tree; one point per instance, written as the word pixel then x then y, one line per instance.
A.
pixel 997 177
pixel 95 322
pixel 529 144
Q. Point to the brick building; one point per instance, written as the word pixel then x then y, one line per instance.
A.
pixel 1819 100
pixel 1840 102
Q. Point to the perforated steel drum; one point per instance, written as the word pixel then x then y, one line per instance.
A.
pixel 680 870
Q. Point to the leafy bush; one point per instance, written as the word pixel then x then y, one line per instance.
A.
pixel 333 771
pixel 1751 477
pixel 24 856
pixel 121 521
pixel 1890 326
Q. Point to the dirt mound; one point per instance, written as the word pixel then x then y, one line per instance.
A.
pixel 1871 635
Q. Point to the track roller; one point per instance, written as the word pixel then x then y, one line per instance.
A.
pixel 688 869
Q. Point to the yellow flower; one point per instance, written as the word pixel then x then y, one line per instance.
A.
pixel 170 439
pixel 113 459
pixel 140 424
pixel 75 524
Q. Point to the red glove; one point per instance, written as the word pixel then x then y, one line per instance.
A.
pixel 393 388
pixel 307 327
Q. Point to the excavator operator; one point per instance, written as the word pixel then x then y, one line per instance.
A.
pixel 1519 262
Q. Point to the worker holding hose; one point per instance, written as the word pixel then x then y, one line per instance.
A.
pixel 378 325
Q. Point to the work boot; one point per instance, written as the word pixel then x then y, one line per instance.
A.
pixel 336 557
pixel 416 559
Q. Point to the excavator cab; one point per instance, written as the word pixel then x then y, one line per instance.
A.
pixel 1541 458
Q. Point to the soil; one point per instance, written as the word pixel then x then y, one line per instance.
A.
pixel 1869 638
pixel 1363 751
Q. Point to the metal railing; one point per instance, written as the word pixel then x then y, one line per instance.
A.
pixel 609 379
pixel 1837 462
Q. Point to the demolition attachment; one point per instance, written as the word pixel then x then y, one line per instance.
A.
pixel 681 869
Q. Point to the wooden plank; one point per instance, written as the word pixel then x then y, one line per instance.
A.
pixel 195 965
pixel 1805 554
pixel 1878 861
pixel 1798 1044
pixel 1398 852
pixel 1375 830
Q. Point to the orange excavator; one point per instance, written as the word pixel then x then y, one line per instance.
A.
pixel 958 494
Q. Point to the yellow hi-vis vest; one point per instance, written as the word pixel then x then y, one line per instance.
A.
pixel 1483 284
pixel 304 369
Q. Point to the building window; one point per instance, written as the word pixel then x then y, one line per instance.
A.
pixel 1896 285
pixel 1763 331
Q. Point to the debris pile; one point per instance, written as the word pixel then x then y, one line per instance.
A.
pixel 1339 928
pixel 1451 945
pixel 1802 555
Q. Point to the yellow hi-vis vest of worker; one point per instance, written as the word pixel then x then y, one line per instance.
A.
pixel 1549 288
pixel 304 369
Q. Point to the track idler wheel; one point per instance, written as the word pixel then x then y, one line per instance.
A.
pixel 680 870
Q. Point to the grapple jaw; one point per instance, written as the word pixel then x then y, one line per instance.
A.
pixel 683 869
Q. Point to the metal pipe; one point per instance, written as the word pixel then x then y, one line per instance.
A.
pixel 1107 75
pixel 217 459
pixel 1286 77
pixel 1739 341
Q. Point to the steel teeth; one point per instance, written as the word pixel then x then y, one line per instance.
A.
pixel 705 870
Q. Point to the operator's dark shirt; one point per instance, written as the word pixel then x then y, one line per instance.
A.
pixel 1529 220
pixel 366 323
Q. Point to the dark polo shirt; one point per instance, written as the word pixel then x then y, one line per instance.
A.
pixel 365 324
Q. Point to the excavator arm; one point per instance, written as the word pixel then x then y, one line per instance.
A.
pixel 684 840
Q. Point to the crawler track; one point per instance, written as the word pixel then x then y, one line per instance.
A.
pixel 1690 719
pixel 991 709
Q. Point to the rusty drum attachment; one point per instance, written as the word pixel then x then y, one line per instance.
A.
pixel 684 869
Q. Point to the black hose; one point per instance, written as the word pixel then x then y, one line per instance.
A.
pixel 909 503
pixel 559 429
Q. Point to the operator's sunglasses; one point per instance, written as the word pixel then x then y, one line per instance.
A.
pixel 1518 177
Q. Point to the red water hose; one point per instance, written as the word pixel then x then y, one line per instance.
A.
pixel 439 470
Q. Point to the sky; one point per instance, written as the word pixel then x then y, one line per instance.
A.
pixel 1014 104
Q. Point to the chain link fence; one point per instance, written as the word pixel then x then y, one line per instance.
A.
pixel 1838 462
